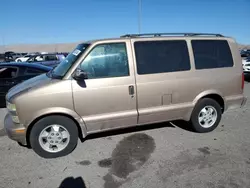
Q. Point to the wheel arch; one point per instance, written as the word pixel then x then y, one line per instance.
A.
pixel 212 94
pixel 81 129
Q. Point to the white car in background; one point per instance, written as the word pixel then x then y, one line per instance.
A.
pixel 246 65
pixel 23 58
pixel 27 56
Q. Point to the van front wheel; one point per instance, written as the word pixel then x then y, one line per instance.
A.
pixel 206 115
pixel 54 136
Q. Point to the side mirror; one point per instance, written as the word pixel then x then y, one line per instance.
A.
pixel 79 74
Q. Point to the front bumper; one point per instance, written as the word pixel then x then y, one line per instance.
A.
pixel 15 131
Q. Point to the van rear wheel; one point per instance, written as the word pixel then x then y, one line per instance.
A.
pixel 206 115
pixel 54 136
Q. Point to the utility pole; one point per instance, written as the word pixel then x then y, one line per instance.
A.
pixel 139 16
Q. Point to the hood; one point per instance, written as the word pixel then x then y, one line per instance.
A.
pixel 28 85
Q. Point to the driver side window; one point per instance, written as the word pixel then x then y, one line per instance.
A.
pixel 106 60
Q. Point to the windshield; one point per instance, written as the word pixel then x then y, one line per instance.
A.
pixel 71 58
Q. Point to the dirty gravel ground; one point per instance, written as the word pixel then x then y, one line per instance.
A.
pixel 168 156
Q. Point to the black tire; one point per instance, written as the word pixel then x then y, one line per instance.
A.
pixel 63 121
pixel 195 115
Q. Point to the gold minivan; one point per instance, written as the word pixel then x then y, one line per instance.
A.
pixel 133 80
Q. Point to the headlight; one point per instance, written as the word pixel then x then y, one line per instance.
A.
pixel 11 107
pixel 15 119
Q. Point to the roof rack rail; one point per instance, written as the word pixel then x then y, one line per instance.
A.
pixel 168 34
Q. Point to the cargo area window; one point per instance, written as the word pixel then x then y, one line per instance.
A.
pixel 209 54
pixel 106 60
pixel 161 56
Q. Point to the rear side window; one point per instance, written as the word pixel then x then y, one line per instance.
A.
pixel 161 56
pixel 209 54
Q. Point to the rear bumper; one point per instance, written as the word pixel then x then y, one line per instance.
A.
pixel 234 102
pixel 14 131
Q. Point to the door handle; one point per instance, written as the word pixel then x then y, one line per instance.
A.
pixel 131 90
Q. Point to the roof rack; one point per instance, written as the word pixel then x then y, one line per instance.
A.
pixel 169 34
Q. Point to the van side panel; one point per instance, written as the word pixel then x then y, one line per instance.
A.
pixel 173 95
pixel 164 96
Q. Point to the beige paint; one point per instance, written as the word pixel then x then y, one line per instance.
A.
pixel 104 104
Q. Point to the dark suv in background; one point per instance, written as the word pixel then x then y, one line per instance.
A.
pixel 12 56
pixel 2 56
pixel 245 53
pixel 14 73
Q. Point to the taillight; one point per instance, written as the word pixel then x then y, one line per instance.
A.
pixel 243 81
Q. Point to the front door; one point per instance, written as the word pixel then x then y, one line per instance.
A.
pixel 107 99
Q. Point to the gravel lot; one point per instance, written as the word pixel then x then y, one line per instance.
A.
pixel 162 155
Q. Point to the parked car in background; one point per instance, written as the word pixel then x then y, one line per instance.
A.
pixel 11 56
pixel 127 81
pixel 24 58
pixel 2 57
pixel 8 53
pixel 7 56
pixel 245 53
pixel 14 73
pixel 246 65
pixel 46 59
pixel 65 53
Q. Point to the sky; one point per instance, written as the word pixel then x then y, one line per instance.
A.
pixel 63 21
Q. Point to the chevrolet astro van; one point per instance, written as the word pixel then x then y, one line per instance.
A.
pixel 133 80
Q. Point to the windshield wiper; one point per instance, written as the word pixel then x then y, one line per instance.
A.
pixel 52 75
pixel 55 76
pixel 49 74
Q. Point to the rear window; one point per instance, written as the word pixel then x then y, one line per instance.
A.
pixel 161 56
pixel 209 54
